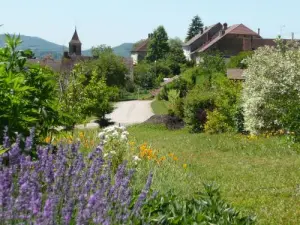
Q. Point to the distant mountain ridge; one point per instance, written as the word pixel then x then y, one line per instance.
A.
pixel 42 47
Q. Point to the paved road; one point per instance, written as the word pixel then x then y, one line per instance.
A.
pixel 131 112
pixel 126 113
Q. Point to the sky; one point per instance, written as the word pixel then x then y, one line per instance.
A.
pixel 113 22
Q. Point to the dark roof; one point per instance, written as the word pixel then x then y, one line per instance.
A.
pixel 75 38
pixel 235 74
pixel 47 61
pixel 234 29
pixel 142 47
pixel 200 35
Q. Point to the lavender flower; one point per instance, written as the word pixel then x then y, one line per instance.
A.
pixel 29 140
pixel 65 186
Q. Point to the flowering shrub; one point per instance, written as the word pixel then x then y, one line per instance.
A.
pixel 115 140
pixel 271 93
pixel 64 187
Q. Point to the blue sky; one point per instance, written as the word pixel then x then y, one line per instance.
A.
pixel 113 22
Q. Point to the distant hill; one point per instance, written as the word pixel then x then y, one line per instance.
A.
pixel 42 47
pixel 121 50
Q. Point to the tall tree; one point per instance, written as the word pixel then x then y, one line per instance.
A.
pixel 194 28
pixel 158 46
pixel 176 51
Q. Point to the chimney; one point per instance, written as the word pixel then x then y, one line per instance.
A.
pixel 225 26
pixel 201 30
pixel 258 31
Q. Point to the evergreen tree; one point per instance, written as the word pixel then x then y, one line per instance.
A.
pixel 194 28
pixel 158 47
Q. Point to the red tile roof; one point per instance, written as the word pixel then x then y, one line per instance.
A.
pixel 235 74
pixel 234 29
pixel 142 47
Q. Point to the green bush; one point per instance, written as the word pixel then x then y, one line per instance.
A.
pixel 196 103
pixel 238 61
pixel 130 86
pixel 28 94
pixel 216 123
pixel 179 84
pixel 144 76
pixel 206 207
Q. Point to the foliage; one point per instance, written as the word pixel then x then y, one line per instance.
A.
pixel 149 75
pixel 238 61
pixel 158 46
pixel 176 57
pixel 194 28
pixel 28 92
pixel 179 84
pixel 271 92
pixel 66 188
pixel 106 65
pixel 228 103
pixel 87 96
pixel 174 98
pixel 99 50
pixel 143 75
pixel 212 63
pixel 196 103
pixel 216 123
pixel 206 208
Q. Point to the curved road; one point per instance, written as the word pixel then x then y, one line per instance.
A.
pixel 131 112
pixel 126 113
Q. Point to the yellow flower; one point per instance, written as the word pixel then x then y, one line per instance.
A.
pixel 163 158
pixel 171 154
pixel 81 134
pixel 184 166
pixel 48 140
pixel 175 158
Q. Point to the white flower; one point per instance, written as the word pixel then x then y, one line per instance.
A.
pixel 123 137
pixel 115 134
pixel 122 128
pixel 136 158
pixel 125 133
pixel 101 134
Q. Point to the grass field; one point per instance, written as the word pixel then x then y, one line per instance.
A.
pixel 159 107
pixel 261 175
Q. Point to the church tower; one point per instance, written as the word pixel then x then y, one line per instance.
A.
pixel 75 45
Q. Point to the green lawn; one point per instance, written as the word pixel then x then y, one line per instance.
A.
pixel 159 107
pixel 260 176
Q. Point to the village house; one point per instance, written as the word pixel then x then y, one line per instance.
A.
pixel 229 40
pixel 139 51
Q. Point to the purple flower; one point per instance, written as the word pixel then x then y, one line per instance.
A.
pixel 6 143
pixel 29 140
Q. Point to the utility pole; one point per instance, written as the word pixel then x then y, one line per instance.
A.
pixel 292 36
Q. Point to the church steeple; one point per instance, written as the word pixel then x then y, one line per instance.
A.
pixel 75 44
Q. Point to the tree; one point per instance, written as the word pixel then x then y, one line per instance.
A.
pixel 194 28
pixel 176 56
pixel 271 93
pixel 87 96
pixel 158 47
pixel 107 65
